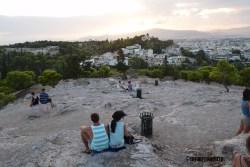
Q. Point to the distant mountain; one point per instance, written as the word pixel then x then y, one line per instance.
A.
pixel 181 34
pixel 234 32
pixel 178 34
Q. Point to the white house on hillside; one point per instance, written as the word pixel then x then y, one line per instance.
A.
pixel 177 60
pixel 108 58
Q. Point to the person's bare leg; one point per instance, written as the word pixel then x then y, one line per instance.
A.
pixel 241 128
pixel 85 138
pixel 246 129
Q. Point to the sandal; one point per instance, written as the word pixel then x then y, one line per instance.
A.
pixel 86 151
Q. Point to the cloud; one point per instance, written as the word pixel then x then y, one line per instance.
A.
pixel 185 12
pixel 57 19
pixel 205 13
pixel 67 8
pixel 186 4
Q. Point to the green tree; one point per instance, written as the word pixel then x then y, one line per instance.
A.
pixel 5 99
pixel 245 76
pixel 5 89
pixel 121 66
pixel 171 70
pixel 50 77
pixel 186 53
pixel 205 72
pixel 184 75
pixel 201 58
pixel 32 74
pixel 155 73
pixel 194 76
pixel 236 51
pixel 72 66
pixel 19 80
pixel 224 73
pixel 137 63
pixel 104 71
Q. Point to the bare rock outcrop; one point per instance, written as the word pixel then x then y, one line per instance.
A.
pixel 64 149
pixel 226 148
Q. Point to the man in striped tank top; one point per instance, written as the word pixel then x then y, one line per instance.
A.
pixel 95 137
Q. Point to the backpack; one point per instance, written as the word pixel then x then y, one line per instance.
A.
pixel 35 101
pixel 131 140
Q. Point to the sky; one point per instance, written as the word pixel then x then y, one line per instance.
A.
pixel 28 20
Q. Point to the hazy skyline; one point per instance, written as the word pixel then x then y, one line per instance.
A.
pixel 70 20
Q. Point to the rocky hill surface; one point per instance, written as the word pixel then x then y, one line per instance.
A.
pixel 189 119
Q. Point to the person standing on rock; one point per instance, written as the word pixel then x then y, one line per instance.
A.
pixel 117 130
pixel 245 110
pixel 95 137
pixel 242 160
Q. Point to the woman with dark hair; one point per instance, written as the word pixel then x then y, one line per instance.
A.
pixel 34 99
pixel 117 130
pixel 245 110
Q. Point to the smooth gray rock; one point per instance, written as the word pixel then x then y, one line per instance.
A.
pixel 64 149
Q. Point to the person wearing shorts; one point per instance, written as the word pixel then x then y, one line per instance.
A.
pixel 245 112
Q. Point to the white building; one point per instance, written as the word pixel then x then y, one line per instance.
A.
pixel 132 50
pixel 108 58
pixel 235 58
pixel 176 60
pixel 172 51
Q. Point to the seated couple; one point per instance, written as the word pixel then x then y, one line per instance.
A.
pixel 42 99
pixel 99 137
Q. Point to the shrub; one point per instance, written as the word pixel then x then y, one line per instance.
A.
pixel 137 63
pixel 184 75
pixel 19 80
pixel 194 76
pixel 3 82
pixel 104 71
pixel 49 77
pixel 6 90
pixel 224 73
pixel 205 72
pixel 5 99
pixel 245 77
pixel 155 73
pixel 32 74
pixel 171 70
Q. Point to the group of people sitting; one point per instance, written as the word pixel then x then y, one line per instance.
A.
pixel 43 98
pixel 132 89
pixel 99 137
pixel 122 86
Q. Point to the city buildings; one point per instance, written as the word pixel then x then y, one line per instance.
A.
pixel 50 50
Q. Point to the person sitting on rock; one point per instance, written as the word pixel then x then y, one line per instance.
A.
pixel 245 110
pixel 130 86
pixel 120 85
pixel 95 137
pixel 44 97
pixel 242 160
pixel 117 130
pixel 34 100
